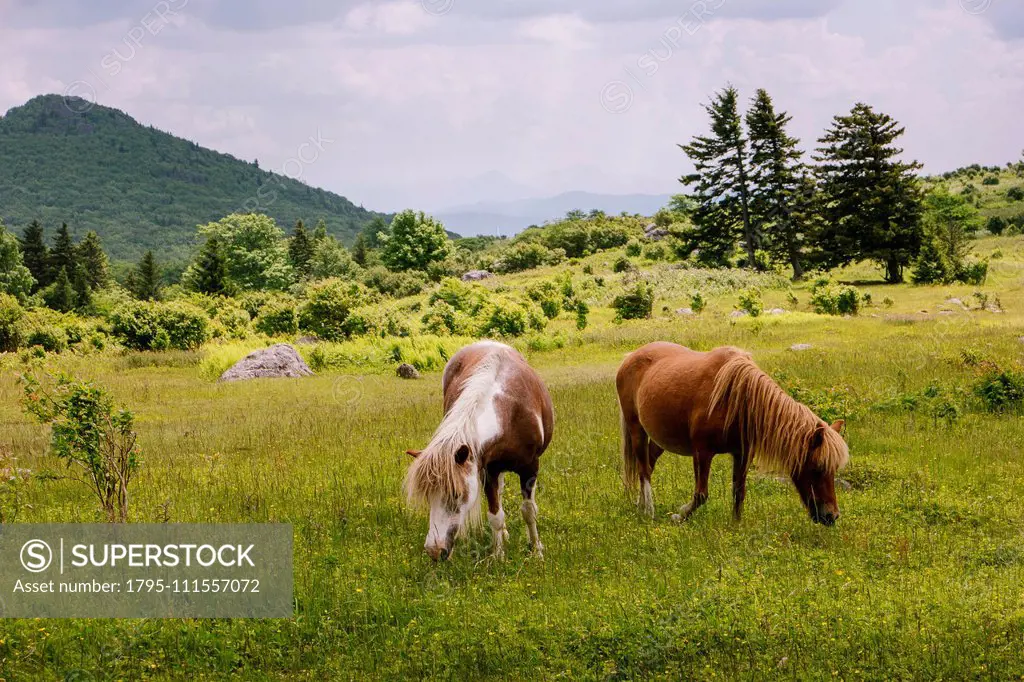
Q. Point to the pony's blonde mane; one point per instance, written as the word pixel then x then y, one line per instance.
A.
pixel 435 471
pixel 775 430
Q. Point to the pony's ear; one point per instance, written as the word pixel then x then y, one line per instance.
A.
pixel 838 425
pixel 818 437
pixel 413 453
pixel 462 454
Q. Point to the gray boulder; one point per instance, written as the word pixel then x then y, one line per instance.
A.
pixel 407 371
pixel 685 312
pixel 476 276
pixel 801 347
pixel 281 360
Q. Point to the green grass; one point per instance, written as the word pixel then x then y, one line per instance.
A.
pixel 921 578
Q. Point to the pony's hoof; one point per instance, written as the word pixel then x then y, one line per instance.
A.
pixel 504 534
pixel 538 552
pixel 678 518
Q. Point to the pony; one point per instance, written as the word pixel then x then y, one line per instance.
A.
pixel 498 418
pixel 699 404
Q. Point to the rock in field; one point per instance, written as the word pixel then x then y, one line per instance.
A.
pixel 776 311
pixel 801 347
pixel 685 312
pixel 407 371
pixel 476 276
pixel 307 341
pixel 739 313
pixel 281 360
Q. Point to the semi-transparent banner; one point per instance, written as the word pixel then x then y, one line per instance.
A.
pixel 146 571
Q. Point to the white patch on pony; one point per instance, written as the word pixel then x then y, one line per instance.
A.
pixel 488 425
pixel 647 498
pixel 442 520
pixel 540 425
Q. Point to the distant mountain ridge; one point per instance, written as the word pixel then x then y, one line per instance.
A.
pixel 510 217
pixel 140 188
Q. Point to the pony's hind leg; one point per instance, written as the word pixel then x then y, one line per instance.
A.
pixel 528 484
pixel 701 472
pixel 495 514
pixel 640 443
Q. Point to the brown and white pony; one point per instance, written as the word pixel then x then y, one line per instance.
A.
pixel 699 404
pixel 497 418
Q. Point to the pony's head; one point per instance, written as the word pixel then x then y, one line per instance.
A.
pixel 445 480
pixel 815 478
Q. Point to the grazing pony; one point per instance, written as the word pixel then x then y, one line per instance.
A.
pixel 497 418
pixel 699 404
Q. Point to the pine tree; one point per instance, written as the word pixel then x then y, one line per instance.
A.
pixel 320 232
pixel 360 250
pixel 722 185
pixel 63 255
pixel 94 260
pixel 35 254
pixel 778 196
pixel 373 230
pixel 83 291
pixel 300 249
pixel 871 201
pixel 61 294
pixel 209 275
pixel 145 282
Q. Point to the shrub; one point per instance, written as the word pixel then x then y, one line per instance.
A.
pixel 511 318
pixel 277 318
pixel 456 293
pixel 524 256
pixel 975 273
pixel 548 296
pixel 633 248
pixel 656 252
pixel 444 320
pixel 697 303
pixel 235 321
pixel 89 436
pixel 49 338
pixel 582 310
pixel 623 264
pixel 1015 193
pixel 990 180
pixel 636 303
pixel 750 301
pixel 395 284
pixel 608 235
pixel 328 305
pixel 11 315
pixel 588 269
pixel 147 325
pixel 373 321
pixel 832 299
pixel 1001 390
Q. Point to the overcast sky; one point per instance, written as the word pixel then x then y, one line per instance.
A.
pixel 431 103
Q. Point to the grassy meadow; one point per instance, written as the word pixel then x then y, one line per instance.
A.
pixel 922 578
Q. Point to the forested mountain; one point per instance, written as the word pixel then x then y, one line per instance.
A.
pixel 140 188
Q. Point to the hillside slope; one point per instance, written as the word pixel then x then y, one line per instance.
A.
pixel 138 187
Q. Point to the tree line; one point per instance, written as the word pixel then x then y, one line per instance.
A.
pixel 753 189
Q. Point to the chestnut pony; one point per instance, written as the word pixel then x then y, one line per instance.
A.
pixel 497 418
pixel 699 404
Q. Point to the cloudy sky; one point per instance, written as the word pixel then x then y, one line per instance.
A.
pixel 433 103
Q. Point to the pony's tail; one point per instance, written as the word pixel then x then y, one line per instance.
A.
pixel 630 464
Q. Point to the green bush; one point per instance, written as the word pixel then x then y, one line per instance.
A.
pixel 828 298
pixel 277 318
pixel 549 296
pixel 395 284
pixel 996 225
pixel 11 315
pixel 655 252
pixel 327 307
pixel 51 339
pixel 975 272
pixel 751 303
pixel 235 321
pixel 510 318
pixel 456 293
pixel 148 325
pixel 1015 193
pixel 1001 390
pixel 623 264
pixel 698 304
pixel 633 248
pixel 374 321
pixel 990 180
pixel 525 256
pixel 636 303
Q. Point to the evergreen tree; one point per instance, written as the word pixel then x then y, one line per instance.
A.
pixel 300 249
pixel 372 232
pixel 320 231
pixel 94 260
pixel 778 199
pixel 722 185
pixel 209 274
pixel 871 201
pixel 35 253
pixel 61 294
pixel 63 255
pixel 80 283
pixel 145 280
pixel 360 250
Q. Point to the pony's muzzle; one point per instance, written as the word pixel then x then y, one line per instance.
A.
pixel 438 553
pixel 826 518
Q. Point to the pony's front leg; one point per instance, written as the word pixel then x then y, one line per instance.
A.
pixel 701 472
pixel 529 509
pixel 740 465
pixel 495 514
